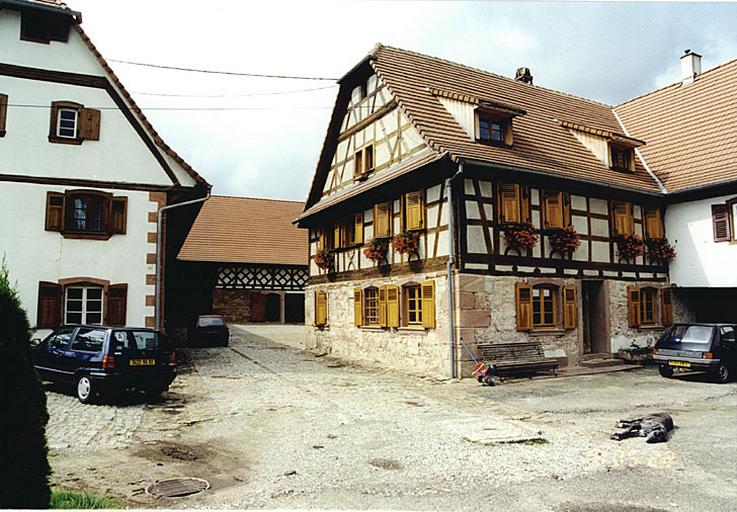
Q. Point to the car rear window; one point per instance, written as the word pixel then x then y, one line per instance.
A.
pixel 690 334
pixel 210 321
pixel 140 341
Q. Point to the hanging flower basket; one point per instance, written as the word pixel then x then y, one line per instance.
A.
pixel 565 241
pixel 521 237
pixel 324 259
pixel 630 247
pixel 406 243
pixel 376 250
pixel 659 250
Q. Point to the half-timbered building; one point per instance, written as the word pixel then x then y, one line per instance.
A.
pixel 83 175
pixel 452 207
pixel 246 261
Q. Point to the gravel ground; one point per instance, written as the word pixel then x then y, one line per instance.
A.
pixel 271 426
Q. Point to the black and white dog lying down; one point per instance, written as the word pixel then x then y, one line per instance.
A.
pixel 653 427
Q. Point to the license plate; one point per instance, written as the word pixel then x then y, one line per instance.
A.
pixel 679 363
pixel 142 362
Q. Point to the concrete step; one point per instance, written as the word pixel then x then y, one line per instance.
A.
pixel 601 362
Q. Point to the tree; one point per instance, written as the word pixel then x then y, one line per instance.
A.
pixel 24 465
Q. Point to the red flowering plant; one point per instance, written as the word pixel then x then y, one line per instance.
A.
pixel 407 242
pixel 324 259
pixel 630 246
pixel 521 237
pixel 376 249
pixel 659 250
pixel 565 241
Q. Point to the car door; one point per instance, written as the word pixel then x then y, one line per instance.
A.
pixel 49 356
pixel 85 350
pixel 728 345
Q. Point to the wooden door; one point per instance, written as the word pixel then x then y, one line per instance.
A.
pixel 258 308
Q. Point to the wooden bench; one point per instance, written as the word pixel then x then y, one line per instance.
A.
pixel 517 358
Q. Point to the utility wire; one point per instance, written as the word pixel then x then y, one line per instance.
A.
pixel 291 107
pixel 275 93
pixel 214 72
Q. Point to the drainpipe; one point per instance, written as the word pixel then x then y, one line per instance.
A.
pixel 159 222
pixel 451 264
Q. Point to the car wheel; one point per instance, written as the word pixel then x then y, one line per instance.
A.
pixel 665 371
pixel 722 373
pixel 86 392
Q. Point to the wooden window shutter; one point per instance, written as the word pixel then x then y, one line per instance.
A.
pixel 358 307
pixel 382 306
pixel 382 220
pixel 368 158
pixel 358 228
pixel 358 163
pixel 633 306
pixel 509 203
pixel 428 304
pixel 666 306
pixel 523 306
pixel 49 305
pixel 54 211
pixel 392 306
pixel 89 124
pixel 54 118
pixel 117 299
pixel 720 222
pixel 414 210
pixel 567 217
pixel 3 113
pixel 553 209
pixel 570 311
pixel 623 219
pixel 336 235
pixel 653 223
pixel 321 308
pixel 119 215
pixel 322 240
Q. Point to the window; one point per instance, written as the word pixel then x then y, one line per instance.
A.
pixel 321 308
pixel 414 210
pixel 3 113
pixel 413 304
pixel 88 340
pixel 351 230
pixel 371 306
pixel 648 306
pixel 543 306
pixel 86 214
pixel 648 296
pixel 358 163
pixel 44 27
pixel 621 158
pixel 383 220
pixel 727 334
pixel 368 158
pixel 71 123
pixel 363 162
pixel 83 305
pixel 724 221
pixel 653 223
pixel 556 209
pixel 60 340
pixel 513 203
pixel 623 222
pixel 494 129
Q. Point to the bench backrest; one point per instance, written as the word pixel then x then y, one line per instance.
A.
pixel 512 351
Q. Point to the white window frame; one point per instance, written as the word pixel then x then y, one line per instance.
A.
pixel 85 301
pixel 58 123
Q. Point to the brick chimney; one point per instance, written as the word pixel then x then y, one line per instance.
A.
pixel 690 66
pixel 523 75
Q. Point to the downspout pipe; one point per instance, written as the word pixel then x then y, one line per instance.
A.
pixel 451 265
pixel 159 241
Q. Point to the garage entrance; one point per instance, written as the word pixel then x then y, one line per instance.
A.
pixel 273 307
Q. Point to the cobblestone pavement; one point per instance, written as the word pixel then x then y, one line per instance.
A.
pixel 271 426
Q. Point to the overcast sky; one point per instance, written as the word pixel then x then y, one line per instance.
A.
pixel 608 52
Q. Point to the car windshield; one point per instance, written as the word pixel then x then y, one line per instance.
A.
pixel 210 321
pixel 140 341
pixel 690 334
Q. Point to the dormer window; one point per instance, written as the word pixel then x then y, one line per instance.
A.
pixel 491 130
pixel 494 123
pixel 622 158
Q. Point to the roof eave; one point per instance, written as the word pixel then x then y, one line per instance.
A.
pixel 25 5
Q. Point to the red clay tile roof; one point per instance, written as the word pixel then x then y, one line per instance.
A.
pixel 247 230
pixel 690 130
pixel 540 142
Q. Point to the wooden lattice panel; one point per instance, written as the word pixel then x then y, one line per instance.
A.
pixel 261 278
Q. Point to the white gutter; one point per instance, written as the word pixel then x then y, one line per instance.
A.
pixel 451 264
pixel 159 222
pixel 639 155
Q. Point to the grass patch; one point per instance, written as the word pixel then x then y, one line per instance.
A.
pixel 80 500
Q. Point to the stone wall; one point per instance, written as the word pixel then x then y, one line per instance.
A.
pixel 410 350
pixel 621 334
pixel 234 305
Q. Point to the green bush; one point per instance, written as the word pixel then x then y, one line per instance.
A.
pixel 24 466
pixel 80 500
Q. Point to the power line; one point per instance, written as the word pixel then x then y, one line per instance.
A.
pixel 214 72
pixel 289 107
pixel 275 93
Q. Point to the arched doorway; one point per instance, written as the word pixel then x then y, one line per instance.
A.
pixel 273 307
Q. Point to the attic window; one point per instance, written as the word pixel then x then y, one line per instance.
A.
pixel 492 129
pixel 43 27
pixel 622 158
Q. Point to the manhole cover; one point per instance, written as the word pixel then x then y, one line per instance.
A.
pixel 177 487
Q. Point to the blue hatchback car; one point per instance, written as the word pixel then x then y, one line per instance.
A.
pixel 101 360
